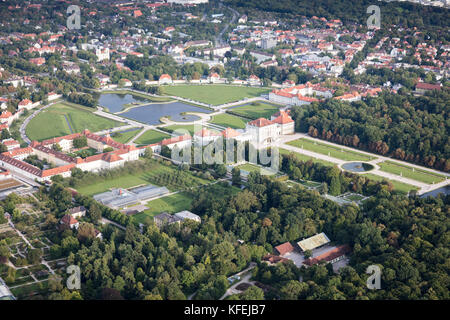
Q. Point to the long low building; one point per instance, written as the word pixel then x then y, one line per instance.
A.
pixel 120 198
pixel 313 242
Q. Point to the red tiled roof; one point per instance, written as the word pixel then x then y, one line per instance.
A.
pixel 68 220
pixel 230 133
pixel 329 255
pixel 169 141
pixel 283 118
pixel 428 86
pixel 206 133
pixel 261 122
pixel 284 248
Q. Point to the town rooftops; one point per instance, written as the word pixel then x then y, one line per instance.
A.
pixel 313 242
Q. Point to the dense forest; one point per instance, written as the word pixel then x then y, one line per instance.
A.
pixel 353 12
pixel 407 237
pixel 415 129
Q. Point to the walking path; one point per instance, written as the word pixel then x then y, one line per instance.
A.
pixel 423 187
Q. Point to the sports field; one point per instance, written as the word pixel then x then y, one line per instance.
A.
pixel 330 150
pixel 228 120
pixel 214 94
pixel 63 119
pixel 255 110
pixel 151 136
pixel 410 172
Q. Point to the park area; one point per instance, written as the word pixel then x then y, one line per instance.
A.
pixel 398 186
pixel 330 150
pixel 160 174
pixel 150 137
pixel 66 118
pixel 305 158
pixel 125 136
pixel 214 94
pixel 228 120
pixel 411 173
pixel 255 110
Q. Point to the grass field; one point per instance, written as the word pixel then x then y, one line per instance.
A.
pixel 214 94
pixel 170 204
pixel 124 137
pixel 410 172
pixel 255 110
pixel 398 186
pixel 151 136
pixel 59 119
pixel 132 180
pixel 188 127
pixel 303 157
pixel 329 150
pixel 228 120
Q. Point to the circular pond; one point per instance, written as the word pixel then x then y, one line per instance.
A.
pixel 357 166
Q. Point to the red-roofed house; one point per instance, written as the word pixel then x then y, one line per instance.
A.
pixel 165 79
pixel 422 87
pixel 69 221
pixel 284 248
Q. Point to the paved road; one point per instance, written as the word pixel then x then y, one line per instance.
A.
pixel 232 290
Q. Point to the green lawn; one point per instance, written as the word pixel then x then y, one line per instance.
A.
pixel 329 150
pixel 305 158
pixel 228 120
pixel 213 94
pixel 187 127
pixel 132 180
pixel 398 186
pixel 255 110
pixel 410 172
pixel 124 137
pixel 55 121
pixel 249 167
pixel 170 204
pixel 151 136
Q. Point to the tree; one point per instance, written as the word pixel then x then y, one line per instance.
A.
pixel 5 134
pixel 80 142
pixel 94 212
pixel 220 170
pixel 236 176
pixel 34 256
pixel 148 154
pixel 252 293
pixel 86 231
